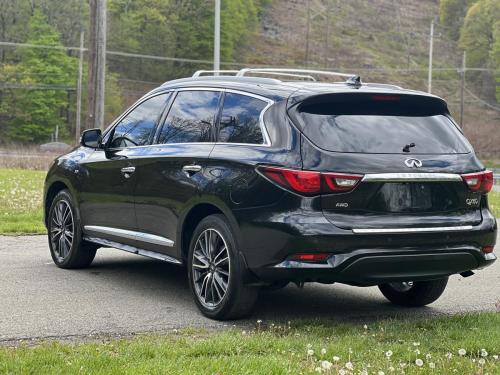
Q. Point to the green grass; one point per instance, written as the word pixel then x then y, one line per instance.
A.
pixel 21 201
pixel 280 350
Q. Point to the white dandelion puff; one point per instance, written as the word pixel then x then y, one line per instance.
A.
pixel 462 352
pixel 419 362
pixel 388 353
pixel 326 365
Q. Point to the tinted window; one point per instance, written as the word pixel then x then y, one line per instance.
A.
pixel 240 120
pixel 135 128
pixel 381 124
pixel 191 117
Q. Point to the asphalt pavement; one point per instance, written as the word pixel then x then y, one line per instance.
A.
pixel 123 294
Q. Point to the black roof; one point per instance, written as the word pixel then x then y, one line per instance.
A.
pixel 278 90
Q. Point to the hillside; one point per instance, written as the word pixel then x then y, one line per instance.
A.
pixel 382 40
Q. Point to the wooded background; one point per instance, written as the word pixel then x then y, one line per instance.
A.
pixel 382 40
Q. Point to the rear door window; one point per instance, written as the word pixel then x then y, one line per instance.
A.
pixel 240 119
pixel 380 124
pixel 191 118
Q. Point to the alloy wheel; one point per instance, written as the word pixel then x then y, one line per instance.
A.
pixel 211 268
pixel 62 230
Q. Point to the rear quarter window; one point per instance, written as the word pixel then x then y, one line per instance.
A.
pixel 380 124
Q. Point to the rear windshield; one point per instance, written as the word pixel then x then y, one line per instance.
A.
pixel 380 124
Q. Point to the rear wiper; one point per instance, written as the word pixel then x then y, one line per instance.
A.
pixel 407 147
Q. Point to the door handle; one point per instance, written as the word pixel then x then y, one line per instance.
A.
pixel 189 170
pixel 127 171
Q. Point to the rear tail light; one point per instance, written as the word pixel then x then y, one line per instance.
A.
pixel 341 182
pixel 487 249
pixel 310 182
pixel 481 182
pixel 310 257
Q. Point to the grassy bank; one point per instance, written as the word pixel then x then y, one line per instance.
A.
pixel 21 201
pixel 21 193
pixel 468 344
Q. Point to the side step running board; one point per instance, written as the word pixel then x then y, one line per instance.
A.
pixel 132 249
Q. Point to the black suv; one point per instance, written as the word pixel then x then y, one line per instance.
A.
pixel 252 182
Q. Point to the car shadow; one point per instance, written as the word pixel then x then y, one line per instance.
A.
pixel 165 282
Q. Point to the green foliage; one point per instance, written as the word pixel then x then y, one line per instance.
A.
pixel 451 14
pixel 37 111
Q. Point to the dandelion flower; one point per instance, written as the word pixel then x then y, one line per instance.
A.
pixel 416 344
pixel 381 373
pixel 428 356
pixel 326 365
pixel 318 370
pixel 341 371
pixel 349 366
pixel 336 359
pixel 419 362
pixel 448 355
pixel 323 351
pixel 363 372
pixel 310 352
pixel 462 352
pixel 484 353
pixel 392 369
pixel 432 365
pixel 482 361
pixel 259 321
pixel 388 353
pixel 495 357
pixel 365 326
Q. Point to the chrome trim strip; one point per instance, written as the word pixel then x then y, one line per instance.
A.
pixel 410 230
pixel 132 235
pixel 384 177
pixel 132 249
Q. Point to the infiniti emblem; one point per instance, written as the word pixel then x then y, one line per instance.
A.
pixel 413 163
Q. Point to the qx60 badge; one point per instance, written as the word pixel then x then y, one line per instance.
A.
pixel 413 163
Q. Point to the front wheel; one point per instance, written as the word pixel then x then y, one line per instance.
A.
pixel 67 247
pixel 414 294
pixel 216 272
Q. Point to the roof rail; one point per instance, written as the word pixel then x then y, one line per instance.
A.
pixel 352 79
pixel 214 72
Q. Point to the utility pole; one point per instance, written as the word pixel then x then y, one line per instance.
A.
pixel 327 38
pixel 78 128
pixel 97 63
pixel 308 27
pixel 462 88
pixel 217 36
pixel 431 47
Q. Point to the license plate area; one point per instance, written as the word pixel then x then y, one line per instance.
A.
pixel 414 197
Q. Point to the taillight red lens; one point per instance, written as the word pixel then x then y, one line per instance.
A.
pixel 310 182
pixel 304 182
pixel 481 181
pixel 337 182
pixel 488 249
pixel 308 257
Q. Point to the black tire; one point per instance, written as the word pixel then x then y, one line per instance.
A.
pixel 77 253
pixel 420 293
pixel 239 299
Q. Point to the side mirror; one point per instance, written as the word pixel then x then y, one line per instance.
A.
pixel 91 138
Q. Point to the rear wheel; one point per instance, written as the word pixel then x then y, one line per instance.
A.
pixel 414 294
pixel 216 272
pixel 67 248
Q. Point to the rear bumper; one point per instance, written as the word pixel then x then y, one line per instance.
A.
pixel 358 258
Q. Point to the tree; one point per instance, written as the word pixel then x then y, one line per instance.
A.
pixel 452 14
pixel 479 37
pixel 45 74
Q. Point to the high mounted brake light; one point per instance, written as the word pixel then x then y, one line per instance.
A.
pixel 310 182
pixel 479 181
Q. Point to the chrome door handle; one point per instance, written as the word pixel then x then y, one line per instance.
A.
pixel 189 170
pixel 127 171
